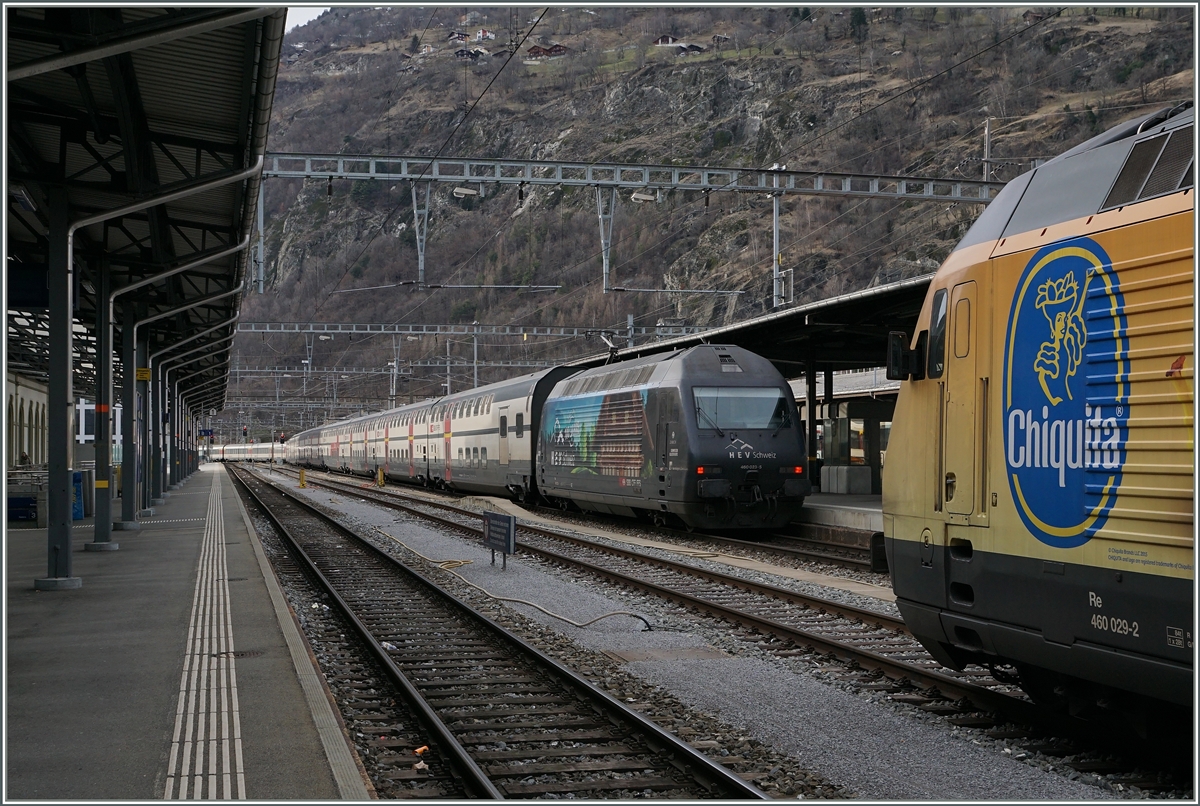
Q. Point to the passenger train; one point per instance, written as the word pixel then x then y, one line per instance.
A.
pixel 253 452
pixel 1042 516
pixel 707 436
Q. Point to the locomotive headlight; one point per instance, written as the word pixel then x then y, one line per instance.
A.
pixel 708 470
pixel 792 471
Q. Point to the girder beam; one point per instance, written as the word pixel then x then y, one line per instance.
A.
pixel 633 177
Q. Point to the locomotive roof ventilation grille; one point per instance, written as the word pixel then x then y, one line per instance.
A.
pixel 609 380
pixel 1156 166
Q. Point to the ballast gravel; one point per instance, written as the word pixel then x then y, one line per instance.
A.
pixel 856 745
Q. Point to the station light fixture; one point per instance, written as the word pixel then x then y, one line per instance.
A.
pixel 641 196
pixel 465 192
pixel 20 194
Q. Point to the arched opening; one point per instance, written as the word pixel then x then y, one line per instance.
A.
pixel 21 435
pixel 9 457
pixel 40 436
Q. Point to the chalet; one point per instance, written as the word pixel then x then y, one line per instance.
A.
pixel 665 39
pixel 427 48
pixel 537 52
pixel 484 33
pixel 688 50
pixel 719 39
pixel 466 54
pixel 457 36
pixel 557 50
pixel 1032 16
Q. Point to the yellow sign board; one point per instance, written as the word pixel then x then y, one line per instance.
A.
pixel 143 373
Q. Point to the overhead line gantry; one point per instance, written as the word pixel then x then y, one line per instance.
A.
pixel 646 181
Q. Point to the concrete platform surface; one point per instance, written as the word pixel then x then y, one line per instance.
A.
pixel 174 671
pixel 851 511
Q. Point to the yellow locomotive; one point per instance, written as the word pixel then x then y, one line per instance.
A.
pixel 1041 520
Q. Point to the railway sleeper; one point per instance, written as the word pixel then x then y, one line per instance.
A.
pixel 552 752
pixel 598 785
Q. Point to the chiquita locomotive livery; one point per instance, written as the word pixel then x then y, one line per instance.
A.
pixel 707 437
pixel 1043 515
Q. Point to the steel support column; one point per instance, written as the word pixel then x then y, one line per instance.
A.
pixel 60 428
pixel 102 533
pixel 261 262
pixel 156 445
pixel 128 520
pixel 810 409
pixel 421 224
pixel 606 221
pixel 776 258
pixel 142 390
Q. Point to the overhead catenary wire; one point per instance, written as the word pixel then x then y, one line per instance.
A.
pixel 560 298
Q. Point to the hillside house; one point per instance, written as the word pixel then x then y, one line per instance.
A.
pixel 557 50
pixel 537 52
pixel 457 36
pixel 719 40
pixel 484 33
pixel 664 40
pixel 1032 16
pixel 427 48
pixel 688 50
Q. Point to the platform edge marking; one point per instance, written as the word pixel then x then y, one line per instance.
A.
pixel 347 775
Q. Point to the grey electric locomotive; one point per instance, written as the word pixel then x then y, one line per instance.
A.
pixel 708 436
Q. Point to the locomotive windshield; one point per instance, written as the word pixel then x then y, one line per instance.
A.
pixel 723 407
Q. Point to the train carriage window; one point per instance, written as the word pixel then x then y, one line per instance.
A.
pixel 483 457
pixel 520 425
pixel 937 336
pixel 460 458
pixel 475 457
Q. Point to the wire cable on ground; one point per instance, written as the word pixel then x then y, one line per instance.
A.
pixel 450 565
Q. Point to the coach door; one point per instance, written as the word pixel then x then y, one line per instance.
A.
pixel 959 437
pixel 504 436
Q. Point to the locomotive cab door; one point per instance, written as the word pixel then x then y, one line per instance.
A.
pixel 959 436
pixel 964 450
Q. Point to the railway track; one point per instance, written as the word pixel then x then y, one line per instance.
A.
pixel 499 718
pixel 789 544
pixel 875 641
pixel 882 654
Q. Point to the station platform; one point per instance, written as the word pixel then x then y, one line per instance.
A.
pixel 174 671
pixel 864 512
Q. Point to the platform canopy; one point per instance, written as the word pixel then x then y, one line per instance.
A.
pixel 112 107
pixel 845 332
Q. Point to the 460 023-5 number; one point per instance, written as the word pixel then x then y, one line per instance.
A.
pixel 1117 625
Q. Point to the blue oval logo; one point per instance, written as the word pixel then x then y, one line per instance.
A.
pixel 1066 390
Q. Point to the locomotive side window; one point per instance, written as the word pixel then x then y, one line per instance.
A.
pixel 937 336
pixel 962 328
pixel 520 425
pixel 503 426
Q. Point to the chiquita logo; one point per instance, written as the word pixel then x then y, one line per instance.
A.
pixel 1066 391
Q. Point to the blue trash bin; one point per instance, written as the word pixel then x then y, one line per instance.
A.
pixel 77 496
